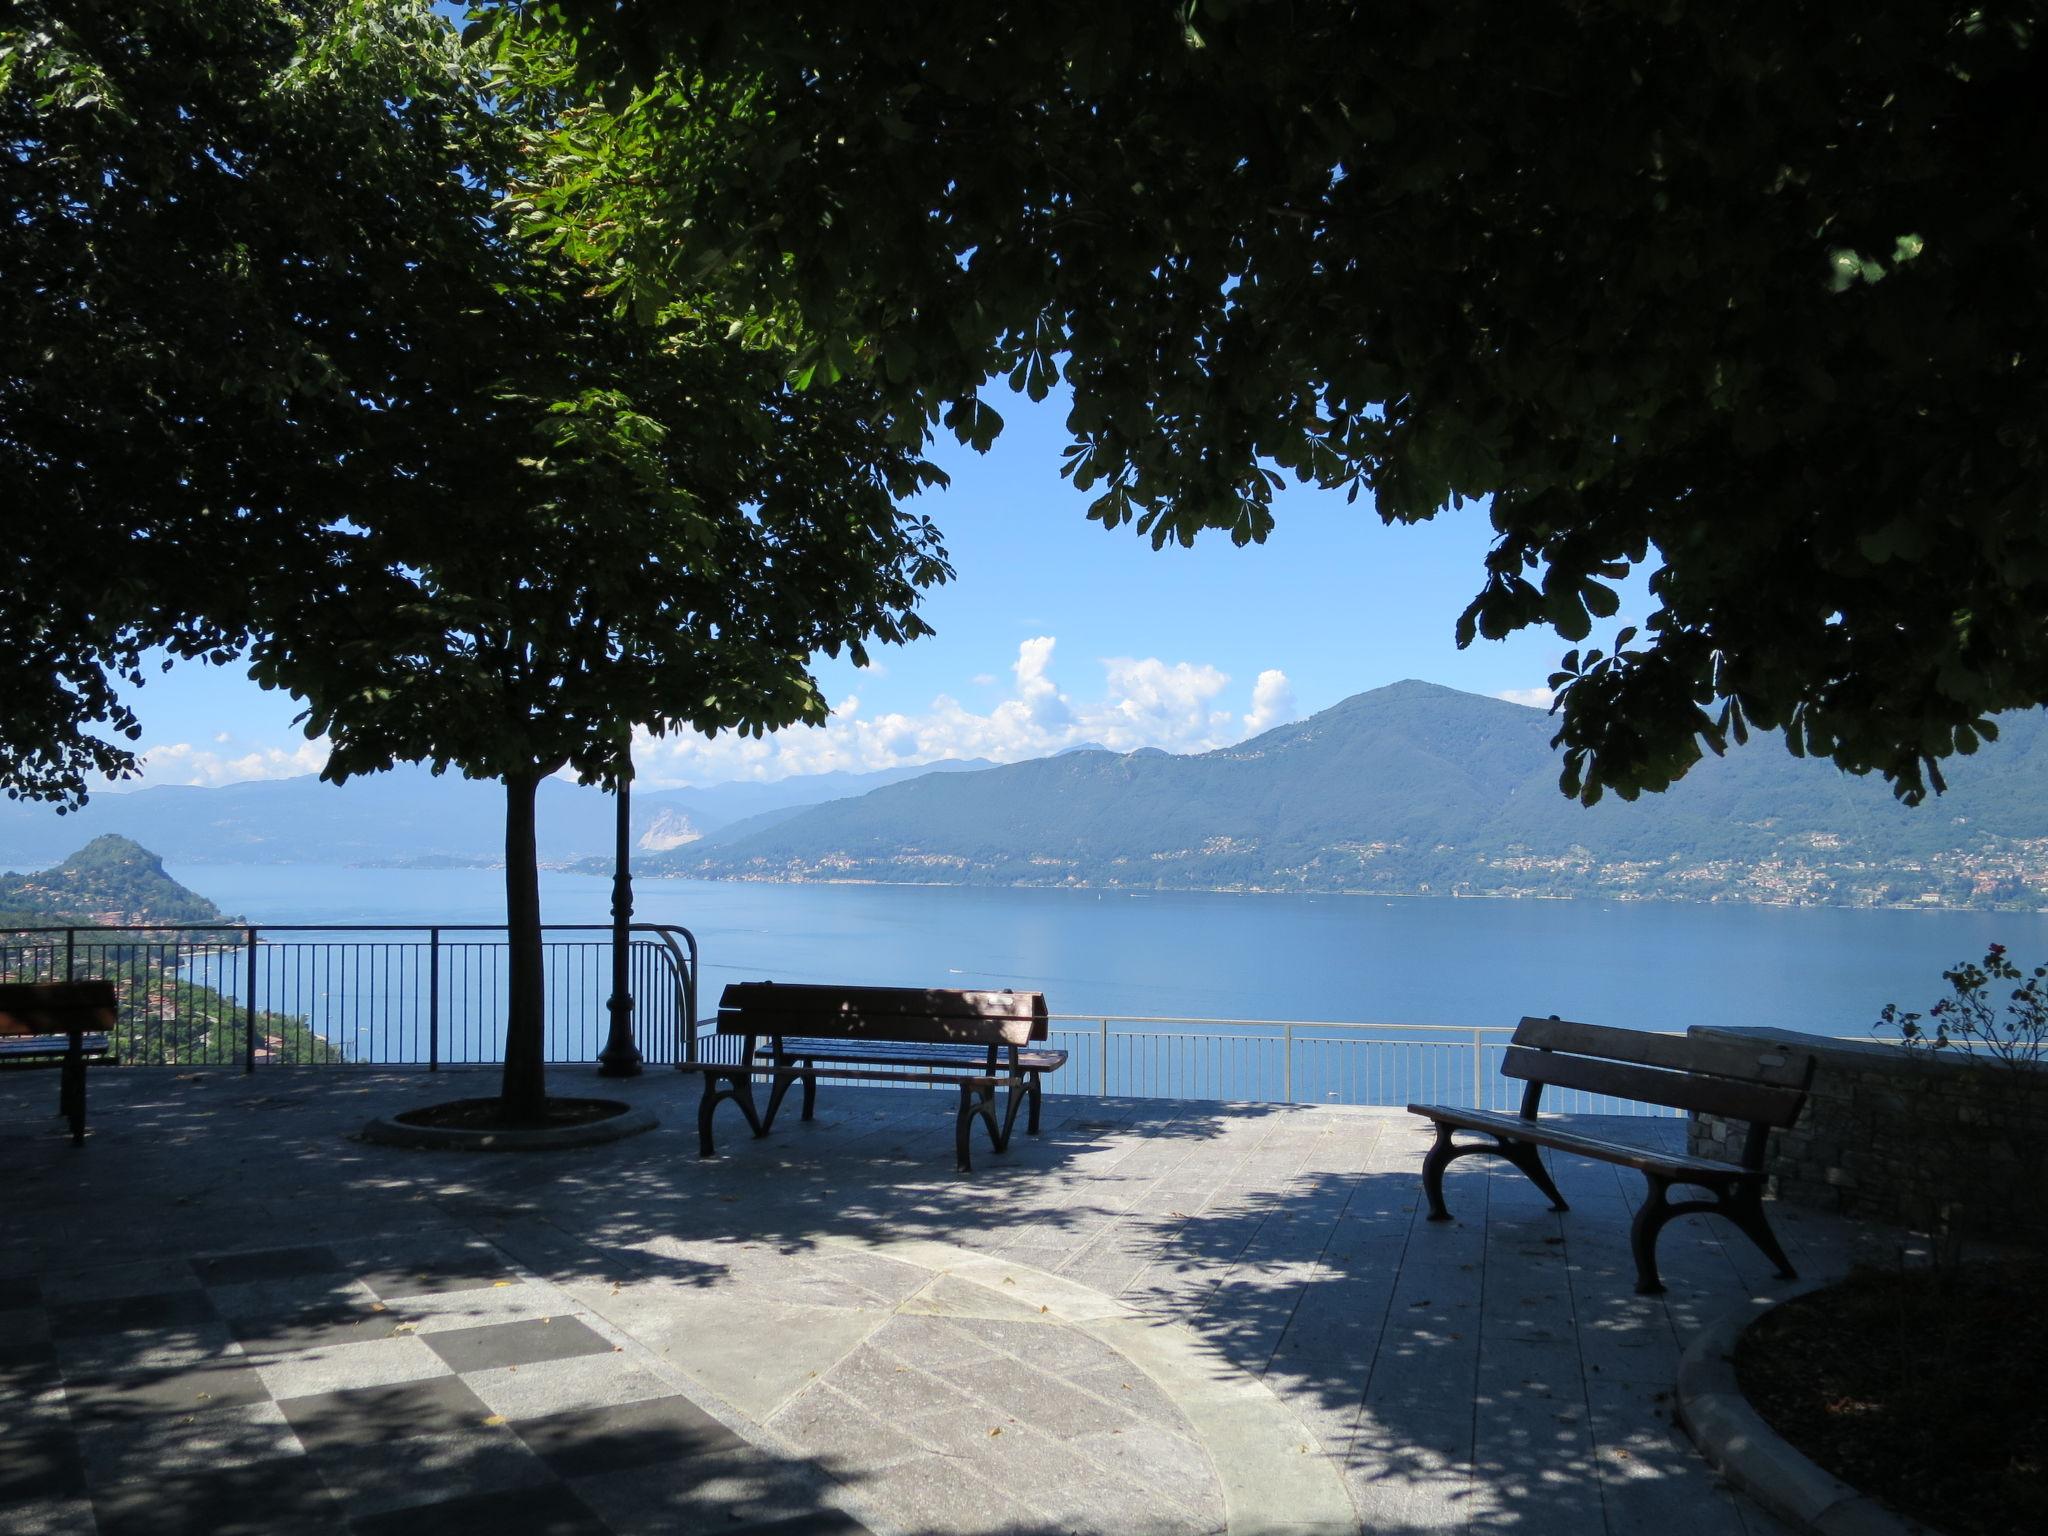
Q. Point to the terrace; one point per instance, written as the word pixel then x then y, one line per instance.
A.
pixel 1162 1315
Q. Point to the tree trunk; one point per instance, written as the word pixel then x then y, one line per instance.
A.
pixel 525 1086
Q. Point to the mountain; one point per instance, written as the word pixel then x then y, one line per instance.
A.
pixel 111 880
pixel 1415 789
pixel 407 818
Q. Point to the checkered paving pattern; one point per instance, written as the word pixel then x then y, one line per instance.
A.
pixel 393 1388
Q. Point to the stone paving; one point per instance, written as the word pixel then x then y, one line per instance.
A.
pixel 224 1314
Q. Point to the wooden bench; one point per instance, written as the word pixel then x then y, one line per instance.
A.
pixel 975 1041
pixel 1761 1084
pixel 63 1024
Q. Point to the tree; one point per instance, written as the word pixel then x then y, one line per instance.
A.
pixel 204 247
pixel 484 525
pixel 1744 293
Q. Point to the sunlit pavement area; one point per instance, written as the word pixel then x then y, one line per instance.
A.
pixel 223 1314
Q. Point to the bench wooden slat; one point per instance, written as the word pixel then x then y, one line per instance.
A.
pixel 852 1026
pixel 1753 1062
pixel 880 1002
pixel 29 1047
pixel 907 1053
pixel 951 1075
pixel 1547 1134
pixel 1651 1085
pixel 56 1007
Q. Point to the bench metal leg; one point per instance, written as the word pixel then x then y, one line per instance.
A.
pixel 1530 1160
pixel 71 1097
pixel 1433 1167
pixel 810 1093
pixel 740 1090
pixel 1655 1210
pixel 974 1101
pixel 1522 1154
pixel 1745 1207
pixel 1018 1094
pixel 1031 1124
pixel 775 1101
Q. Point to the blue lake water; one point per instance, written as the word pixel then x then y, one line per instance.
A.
pixel 1339 959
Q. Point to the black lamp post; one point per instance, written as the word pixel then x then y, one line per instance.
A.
pixel 620 1056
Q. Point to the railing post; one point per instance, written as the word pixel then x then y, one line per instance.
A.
pixel 70 953
pixel 249 1006
pixel 1287 1064
pixel 1478 1071
pixel 433 999
pixel 1102 1050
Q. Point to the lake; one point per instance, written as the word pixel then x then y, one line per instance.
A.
pixel 1649 965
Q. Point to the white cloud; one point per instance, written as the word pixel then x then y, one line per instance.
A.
pixel 1272 702
pixel 1535 698
pixel 1144 702
pixel 183 763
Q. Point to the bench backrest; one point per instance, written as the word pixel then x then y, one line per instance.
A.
pixel 56 1007
pixel 1761 1083
pixel 882 1013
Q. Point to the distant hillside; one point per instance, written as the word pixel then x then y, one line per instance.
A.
pixel 111 880
pixel 1417 789
pixel 408 818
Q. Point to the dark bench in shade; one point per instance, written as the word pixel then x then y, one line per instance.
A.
pixel 63 1024
pixel 1762 1084
pixel 792 1033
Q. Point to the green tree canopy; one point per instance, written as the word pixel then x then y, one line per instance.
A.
pixel 414 468
pixel 1745 293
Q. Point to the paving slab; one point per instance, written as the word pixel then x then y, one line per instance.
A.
pixel 1154 1317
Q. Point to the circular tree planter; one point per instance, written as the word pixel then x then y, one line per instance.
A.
pixel 476 1125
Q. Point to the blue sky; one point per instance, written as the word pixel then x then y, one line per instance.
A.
pixel 1054 632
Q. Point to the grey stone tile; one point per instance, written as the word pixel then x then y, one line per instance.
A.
pixel 217 1383
pixel 41 1462
pixel 122 1449
pixel 522 1392
pixel 431 1469
pixel 272 1298
pixel 328 1323
pixel 542 1511
pixel 932 1343
pixel 153 1312
pixel 265 1264
pixel 936 1495
pixel 1136 1393
pixel 660 1430
pixel 369 1416
pixel 259 1499
pixel 343 1367
pixel 23 1325
pixel 528 1342
pixel 399 1270
pixel 131 1277
pixel 891 1389
pixel 842 1436
pixel 731 1491
pixel 67 1516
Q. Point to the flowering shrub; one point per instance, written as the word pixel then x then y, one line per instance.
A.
pixel 1968 1019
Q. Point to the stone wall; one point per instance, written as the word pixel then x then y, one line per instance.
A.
pixel 1893 1137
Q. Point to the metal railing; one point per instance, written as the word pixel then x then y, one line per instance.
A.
pixel 368 994
pixel 1285 1061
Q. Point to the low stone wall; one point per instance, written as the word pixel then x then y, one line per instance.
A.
pixel 1893 1137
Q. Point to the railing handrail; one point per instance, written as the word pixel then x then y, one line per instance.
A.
pixel 227 926
pixel 1164 1018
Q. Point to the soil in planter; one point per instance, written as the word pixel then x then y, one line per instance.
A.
pixel 489 1115
pixel 1928 1391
